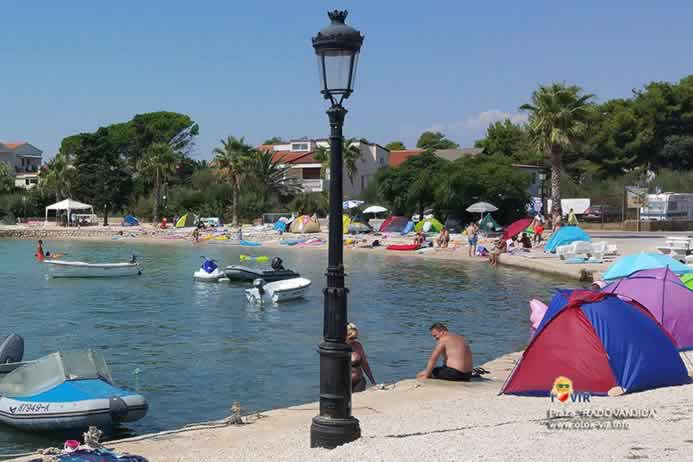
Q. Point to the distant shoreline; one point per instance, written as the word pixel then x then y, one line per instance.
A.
pixel 149 234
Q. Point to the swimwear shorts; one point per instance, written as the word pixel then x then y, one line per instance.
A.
pixel 448 373
pixel 472 241
pixel 359 386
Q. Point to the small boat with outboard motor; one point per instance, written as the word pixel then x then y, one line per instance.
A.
pixel 209 272
pixel 247 273
pixel 80 269
pixel 278 291
pixel 61 391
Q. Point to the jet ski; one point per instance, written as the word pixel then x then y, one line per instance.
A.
pixel 249 274
pixel 209 272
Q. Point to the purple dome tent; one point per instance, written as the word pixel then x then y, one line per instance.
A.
pixel 662 293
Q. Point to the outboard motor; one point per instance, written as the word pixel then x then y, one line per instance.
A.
pixel 277 264
pixel 259 284
pixel 11 348
pixel 209 266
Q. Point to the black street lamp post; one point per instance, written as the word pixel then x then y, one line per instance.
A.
pixel 337 48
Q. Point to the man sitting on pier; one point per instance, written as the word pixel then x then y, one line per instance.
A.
pixel 457 356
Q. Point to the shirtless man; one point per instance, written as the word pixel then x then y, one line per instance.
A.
pixel 457 356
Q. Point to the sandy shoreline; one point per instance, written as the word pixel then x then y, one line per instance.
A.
pixel 147 234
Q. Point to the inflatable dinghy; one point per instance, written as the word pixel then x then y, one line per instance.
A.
pixel 246 273
pixel 61 391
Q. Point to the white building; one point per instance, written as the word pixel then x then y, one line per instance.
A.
pixel 24 161
pixel 299 156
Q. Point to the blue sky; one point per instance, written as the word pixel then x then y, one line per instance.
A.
pixel 248 68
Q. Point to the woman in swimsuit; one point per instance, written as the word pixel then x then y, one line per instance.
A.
pixel 359 360
pixel 40 255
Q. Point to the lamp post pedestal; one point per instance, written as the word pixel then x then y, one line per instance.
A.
pixel 335 425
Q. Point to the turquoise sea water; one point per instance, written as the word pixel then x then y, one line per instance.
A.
pixel 193 348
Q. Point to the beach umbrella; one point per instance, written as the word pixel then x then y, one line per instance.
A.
pixel 375 209
pixel 481 207
pixel 662 293
pixel 629 264
pixel 516 228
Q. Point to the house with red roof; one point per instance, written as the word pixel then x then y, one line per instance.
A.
pixel 299 156
pixel 24 162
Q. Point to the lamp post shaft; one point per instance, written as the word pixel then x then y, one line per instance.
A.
pixel 335 425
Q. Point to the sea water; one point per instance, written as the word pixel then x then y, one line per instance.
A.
pixel 193 348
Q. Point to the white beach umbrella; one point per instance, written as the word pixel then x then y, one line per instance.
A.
pixel 481 207
pixel 375 209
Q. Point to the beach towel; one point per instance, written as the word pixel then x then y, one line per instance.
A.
pixel 94 455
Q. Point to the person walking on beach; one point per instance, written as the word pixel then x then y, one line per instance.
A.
pixel 359 360
pixel 556 221
pixel 538 231
pixel 572 219
pixel 472 238
pixel 457 356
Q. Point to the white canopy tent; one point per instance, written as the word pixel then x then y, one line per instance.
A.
pixel 68 205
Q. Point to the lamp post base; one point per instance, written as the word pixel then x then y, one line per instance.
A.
pixel 327 432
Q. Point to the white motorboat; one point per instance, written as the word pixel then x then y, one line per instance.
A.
pixel 80 269
pixel 279 291
pixel 209 272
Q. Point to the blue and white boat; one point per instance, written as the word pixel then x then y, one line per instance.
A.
pixel 61 391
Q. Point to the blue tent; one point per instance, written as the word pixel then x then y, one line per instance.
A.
pixel 564 236
pixel 598 342
pixel 408 229
pixel 129 220
pixel 629 264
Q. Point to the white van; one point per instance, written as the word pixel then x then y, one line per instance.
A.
pixel 668 206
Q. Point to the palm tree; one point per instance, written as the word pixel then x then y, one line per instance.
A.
pixel 271 175
pixel 158 162
pixel 558 116
pixel 351 154
pixel 57 175
pixel 231 160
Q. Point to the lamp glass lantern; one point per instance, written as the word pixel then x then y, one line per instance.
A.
pixel 337 49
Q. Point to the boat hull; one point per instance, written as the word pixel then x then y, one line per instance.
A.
pixel 63 269
pixel 47 412
pixel 215 276
pixel 279 291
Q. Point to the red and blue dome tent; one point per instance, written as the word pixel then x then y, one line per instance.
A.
pixel 600 342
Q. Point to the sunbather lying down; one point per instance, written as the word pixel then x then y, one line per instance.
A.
pixel 366 245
